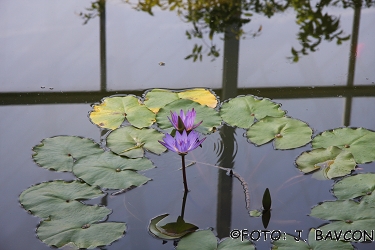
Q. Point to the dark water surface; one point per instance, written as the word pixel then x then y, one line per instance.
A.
pixel 47 54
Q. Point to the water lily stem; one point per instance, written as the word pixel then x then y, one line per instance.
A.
pixel 184 172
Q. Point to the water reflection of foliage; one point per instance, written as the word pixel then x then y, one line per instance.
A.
pixel 213 16
pixel 210 17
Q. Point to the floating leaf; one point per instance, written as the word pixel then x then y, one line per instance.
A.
pixel 360 142
pixel 286 132
pixel 355 186
pixel 58 153
pixel 241 111
pixel 158 98
pixel 112 111
pixel 206 240
pixel 52 198
pixel 255 213
pixel 108 170
pixel 333 161
pixel 81 229
pixel 345 215
pixel 288 242
pixel 201 96
pixel 203 240
pixel 154 231
pixel 131 142
pixel 177 228
pixel 209 116
pixel 238 244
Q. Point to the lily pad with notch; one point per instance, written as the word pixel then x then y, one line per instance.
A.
pixel 111 171
pixel 81 228
pixel 131 142
pixel 358 141
pixel 59 153
pixel 332 161
pixel 286 132
pixel 345 216
pixel 158 98
pixel 209 116
pixel 113 111
pixel 355 186
pixel 243 110
pixel 57 198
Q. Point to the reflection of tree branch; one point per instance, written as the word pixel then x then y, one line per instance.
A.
pixel 93 11
pixel 314 25
pixel 211 17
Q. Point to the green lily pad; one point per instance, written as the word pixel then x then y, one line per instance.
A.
pixel 82 229
pixel 241 111
pixel 238 244
pixel 57 197
pixel 206 240
pixel 112 111
pixel 286 132
pixel 345 215
pixel 111 171
pixel 289 242
pixel 131 142
pixel 255 213
pixel 355 186
pixel 209 116
pixel 176 228
pixel 203 240
pixel 358 141
pixel 156 232
pixel 333 161
pixel 158 98
pixel 59 153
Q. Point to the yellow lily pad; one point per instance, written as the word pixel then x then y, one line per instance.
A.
pixel 113 111
pixel 158 98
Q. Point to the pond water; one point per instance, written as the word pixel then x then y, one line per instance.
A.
pixel 50 74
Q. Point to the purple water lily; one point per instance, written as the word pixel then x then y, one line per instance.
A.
pixel 182 143
pixel 184 122
pixel 185 140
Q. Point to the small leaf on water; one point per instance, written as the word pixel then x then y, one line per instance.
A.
pixel 255 213
pixel 156 232
pixel 178 228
